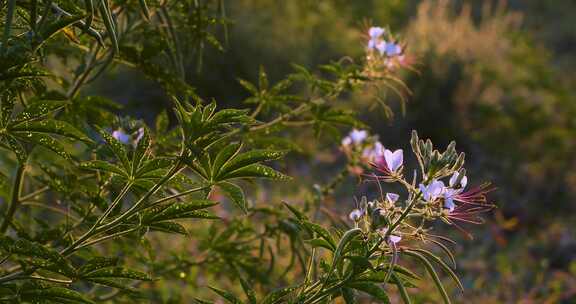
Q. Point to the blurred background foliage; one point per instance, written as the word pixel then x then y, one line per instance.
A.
pixel 496 76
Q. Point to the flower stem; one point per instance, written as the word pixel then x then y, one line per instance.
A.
pixel 14 202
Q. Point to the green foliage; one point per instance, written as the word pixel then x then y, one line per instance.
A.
pixel 103 208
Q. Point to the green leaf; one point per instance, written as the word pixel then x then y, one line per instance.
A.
pixel 17 148
pixel 46 32
pixel 169 227
pixel 232 299
pixel 117 272
pixel 37 110
pixel 359 263
pixel 256 170
pixel 100 165
pixel 249 158
pixel 51 127
pixel 372 289
pixel 247 290
pixel 97 263
pixel 432 273
pixel 117 148
pixel 444 266
pixel 401 289
pixel 106 15
pixel 278 295
pixel 56 294
pixel 47 142
pixel 235 193
pixel 320 243
pixel 224 156
pixel 322 232
pixel 348 295
pixel 183 210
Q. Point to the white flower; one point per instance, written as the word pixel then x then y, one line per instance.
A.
pixel 433 190
pixel 375 32
pixel 454 179
pixel 356 215
pixel 394 159
pixel 358 136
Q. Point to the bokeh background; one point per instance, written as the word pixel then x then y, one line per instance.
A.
pixel 499 77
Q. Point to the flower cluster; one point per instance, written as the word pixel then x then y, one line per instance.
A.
pixel 441 194
pixel 384 53
pixel 364 150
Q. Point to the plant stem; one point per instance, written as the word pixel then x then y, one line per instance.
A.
pixel 14 202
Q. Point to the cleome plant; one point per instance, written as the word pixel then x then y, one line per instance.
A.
pixel 88 196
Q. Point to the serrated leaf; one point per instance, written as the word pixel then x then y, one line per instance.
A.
pixel 236 194
pixel 256 170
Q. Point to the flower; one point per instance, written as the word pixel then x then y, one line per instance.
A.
pixel 121 136
pixel 393 239
pixel 394 159
pixel 393 49
pixel 454 180
pixel 375 33
pixel 358 136
pixel 355 137
pixel 126 138
pixel 392 197
pixel 356 215
pixel 375 153
pixel 140 134
pixel 433 190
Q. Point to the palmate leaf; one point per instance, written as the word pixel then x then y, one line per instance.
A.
pixel 38 255
pixel 224 156
pixel 322 232
pixel 118 273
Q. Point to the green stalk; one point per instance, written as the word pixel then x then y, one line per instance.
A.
pixel 14 201
pixel 8 25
